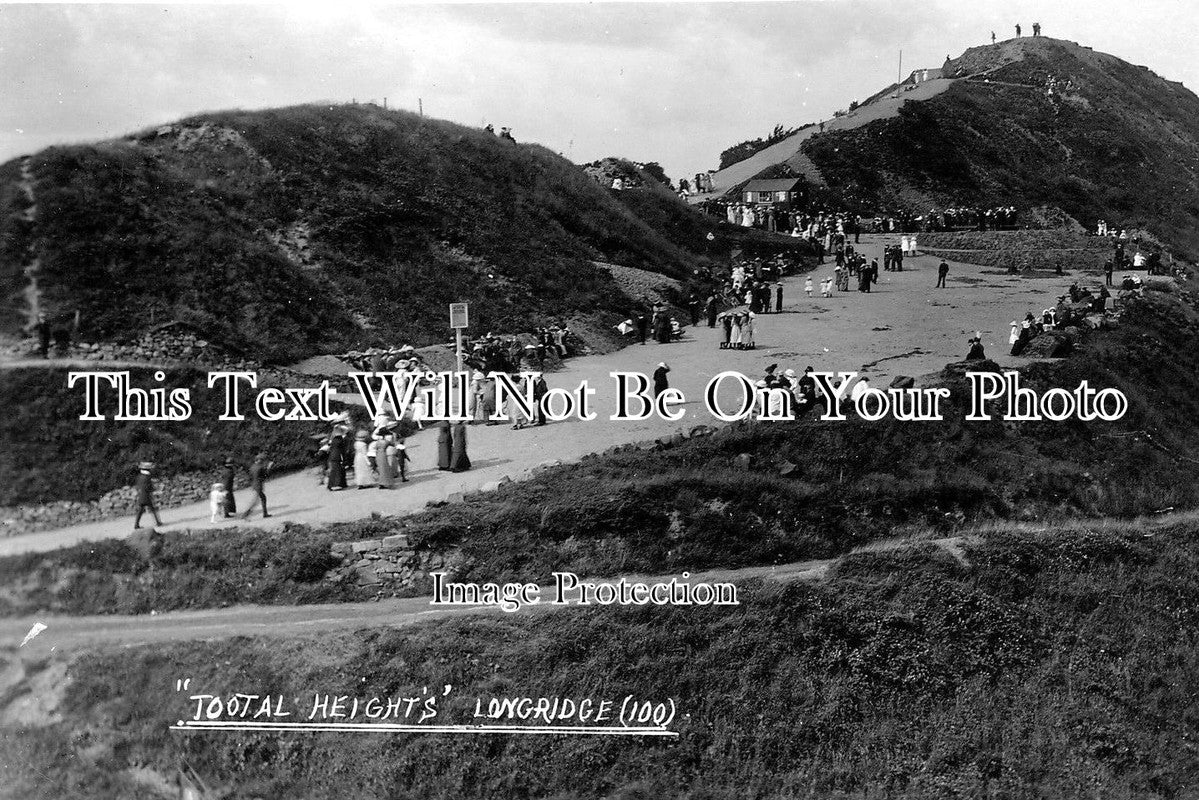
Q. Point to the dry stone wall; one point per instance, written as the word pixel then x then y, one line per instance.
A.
pixel 390 565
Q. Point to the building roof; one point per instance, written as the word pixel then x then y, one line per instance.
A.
pixel 777 185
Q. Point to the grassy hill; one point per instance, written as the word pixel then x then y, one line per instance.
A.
pixel 318 228
pixel 50 454
pixel 1113 141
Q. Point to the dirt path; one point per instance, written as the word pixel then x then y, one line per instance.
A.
pixel 66 634
pixel 904 327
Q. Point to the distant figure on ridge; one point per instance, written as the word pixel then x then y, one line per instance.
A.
pixel 1036 29
pixel 1017 29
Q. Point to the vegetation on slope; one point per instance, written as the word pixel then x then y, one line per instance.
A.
pixel 1121 145
pixel 1059 666
pixel 743 150
pixel 50 454
pixel 315 228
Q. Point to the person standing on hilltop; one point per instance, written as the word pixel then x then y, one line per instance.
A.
pixel 992 37
pixel 942 274
pixel 1036 29
pixel 1017 29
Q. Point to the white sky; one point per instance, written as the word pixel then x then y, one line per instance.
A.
pixel 668 82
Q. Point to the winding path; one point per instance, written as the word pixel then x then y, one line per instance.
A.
pixel 904 327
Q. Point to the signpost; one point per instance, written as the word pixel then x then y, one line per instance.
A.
pixel 459 320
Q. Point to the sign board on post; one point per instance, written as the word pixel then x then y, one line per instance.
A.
pixel 459 320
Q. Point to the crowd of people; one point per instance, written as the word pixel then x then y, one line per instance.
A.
pixel 817 225
pixel 653 317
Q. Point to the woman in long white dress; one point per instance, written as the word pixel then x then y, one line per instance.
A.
pixel 362 464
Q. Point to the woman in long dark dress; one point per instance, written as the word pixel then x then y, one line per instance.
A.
pixel 337 463
pixel 459 462
pixel 444 446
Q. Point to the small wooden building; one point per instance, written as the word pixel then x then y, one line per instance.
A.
pixel 780 190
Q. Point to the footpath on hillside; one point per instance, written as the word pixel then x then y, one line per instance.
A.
pixel 63 634
pixel 903 327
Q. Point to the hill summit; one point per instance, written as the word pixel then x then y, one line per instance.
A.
pixel 318 228
pixel 1029 122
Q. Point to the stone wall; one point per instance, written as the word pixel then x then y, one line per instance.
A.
pixel 169 492
pixel 390 564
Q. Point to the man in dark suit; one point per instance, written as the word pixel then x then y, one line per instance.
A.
pixel 144 487
pixel 258 474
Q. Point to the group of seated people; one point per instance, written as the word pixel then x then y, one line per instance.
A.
pixel 392 359
pixel 802 391
pixel 1071 309
pixel 487 353
pixel 492 353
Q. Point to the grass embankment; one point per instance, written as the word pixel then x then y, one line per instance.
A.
pixel 1059 666
pixel 50 454
pixel 691 507
pixel 1039 250
pixel 385 217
